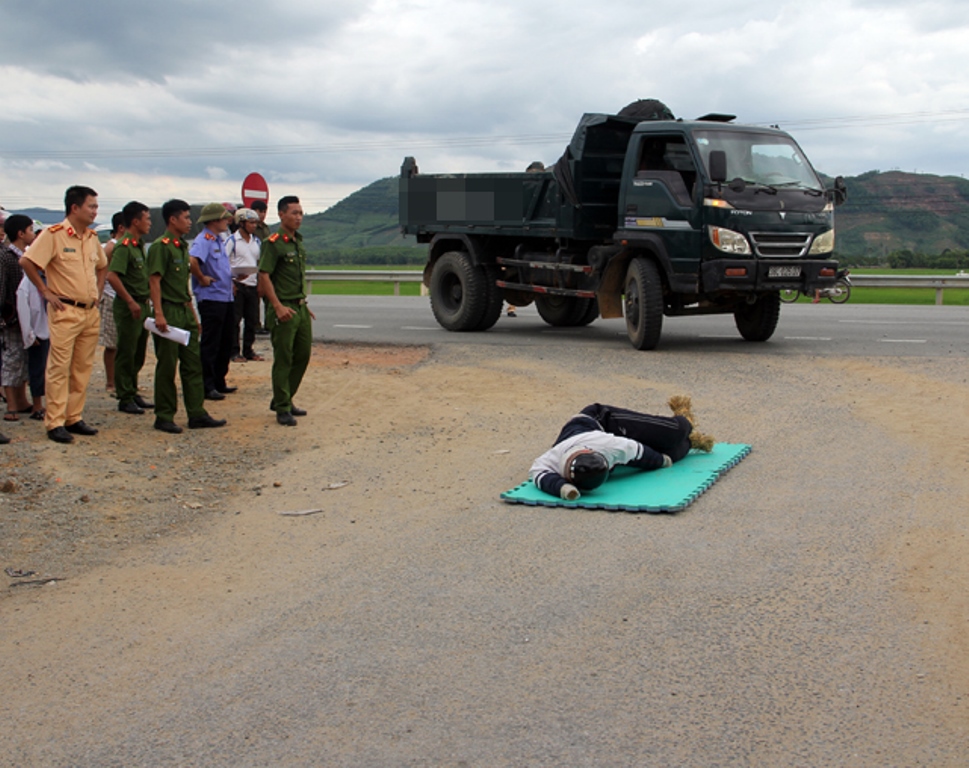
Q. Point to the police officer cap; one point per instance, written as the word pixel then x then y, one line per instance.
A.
pixel 587 470
pixel 213 212
pixel 246 214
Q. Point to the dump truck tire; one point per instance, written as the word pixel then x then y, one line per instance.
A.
pixel 643 305
pixel 757 321
pixel 561 311
pixel 495 301
pixel 459 292
pixel 591 312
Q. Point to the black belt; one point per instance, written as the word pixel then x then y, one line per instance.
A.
pixel 78 304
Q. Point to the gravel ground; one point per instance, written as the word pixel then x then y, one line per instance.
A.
pixel 809 609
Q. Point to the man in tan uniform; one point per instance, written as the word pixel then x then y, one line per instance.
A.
pixel 75 265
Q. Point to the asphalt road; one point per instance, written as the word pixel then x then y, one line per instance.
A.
pixel 824 329
pixel 807 610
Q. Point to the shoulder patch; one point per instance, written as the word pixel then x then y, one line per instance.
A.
pixel 55 228
pixel 209 236
pixel 274 237
pixel 126 241
pixel 165 240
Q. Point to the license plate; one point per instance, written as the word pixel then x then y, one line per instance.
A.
pixel 783 271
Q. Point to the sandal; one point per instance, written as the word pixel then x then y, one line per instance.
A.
pixel 38 415
pixel 11 416
pixel 256 358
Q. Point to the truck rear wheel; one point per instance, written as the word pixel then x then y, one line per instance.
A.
pixel 757 321
pixel 643 304
pixel 459 292
pixel 562 311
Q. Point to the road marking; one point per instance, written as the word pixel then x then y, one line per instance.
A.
pixel 808 338
pixel 904 322
pixel 904 341
pixel 353 326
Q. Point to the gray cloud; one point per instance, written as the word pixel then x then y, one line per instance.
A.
pixel 137 89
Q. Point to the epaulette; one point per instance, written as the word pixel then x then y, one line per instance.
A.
pixel 209 236
pixel 126 241
pixel 274 237
pixel 55 228
pixel 166 240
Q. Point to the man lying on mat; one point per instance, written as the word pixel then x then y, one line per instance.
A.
pixel 601 436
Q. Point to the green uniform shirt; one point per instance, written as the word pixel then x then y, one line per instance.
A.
pixel 129 261
pixel 168 257
pixel 284 258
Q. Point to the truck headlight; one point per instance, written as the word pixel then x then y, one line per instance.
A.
pixel 729 241
pixel 823 243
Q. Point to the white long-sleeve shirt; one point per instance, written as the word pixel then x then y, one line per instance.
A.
pixel 32 311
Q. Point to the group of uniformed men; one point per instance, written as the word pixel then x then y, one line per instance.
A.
pixel 68 267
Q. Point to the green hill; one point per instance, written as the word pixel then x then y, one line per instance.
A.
pixel 884 213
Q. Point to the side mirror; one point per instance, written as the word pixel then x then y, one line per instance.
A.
pixel 839 192
pixel 718 166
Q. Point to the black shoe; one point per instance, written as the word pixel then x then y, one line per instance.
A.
pixel 80 428
pixel 214 394
pixel 292 409
pixel 4 439
pixel 205 422
pixel 130 408
pixel 286 419
pixel 142 403
pixel 168 426
pixel 228 390
pixel 60 435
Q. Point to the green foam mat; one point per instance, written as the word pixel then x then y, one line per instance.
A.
pixel 631 490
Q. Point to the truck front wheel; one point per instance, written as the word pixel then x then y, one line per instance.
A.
pixel 644 303
pixel 757 321
pixel 459 292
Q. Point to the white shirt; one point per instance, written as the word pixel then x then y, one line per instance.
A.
pixel 615 449
pixel 32 310
pixel 244 254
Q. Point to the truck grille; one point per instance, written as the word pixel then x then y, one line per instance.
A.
pixel 780 245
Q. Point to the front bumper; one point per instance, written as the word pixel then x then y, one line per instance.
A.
pixel 767 274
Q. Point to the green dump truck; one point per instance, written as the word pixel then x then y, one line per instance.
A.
pixel 642 218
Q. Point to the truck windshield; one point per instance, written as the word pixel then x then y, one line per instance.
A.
pixel 758 158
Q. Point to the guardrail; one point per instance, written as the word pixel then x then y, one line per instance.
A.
pixel 395 276
pixel 398 276
pixel 939 282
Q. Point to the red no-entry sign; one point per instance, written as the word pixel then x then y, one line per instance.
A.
pixel 254 188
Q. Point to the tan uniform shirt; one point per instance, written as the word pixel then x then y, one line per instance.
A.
pixel 70 261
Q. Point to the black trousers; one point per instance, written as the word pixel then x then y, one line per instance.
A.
pixel 218 324
pixel 246 309
pixel 665 434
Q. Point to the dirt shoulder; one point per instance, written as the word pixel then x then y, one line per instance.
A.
pixel 66 509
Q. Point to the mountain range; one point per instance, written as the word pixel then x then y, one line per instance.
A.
pixel 884 213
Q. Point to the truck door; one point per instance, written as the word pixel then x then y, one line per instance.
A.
pixel 659 198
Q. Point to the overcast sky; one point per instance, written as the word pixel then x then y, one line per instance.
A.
pixel 183 98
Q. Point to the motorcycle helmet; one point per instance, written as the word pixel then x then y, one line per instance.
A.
pixel 586 469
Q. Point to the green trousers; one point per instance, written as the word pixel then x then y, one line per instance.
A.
pixel 188 360
pixel 132 343
pixel 292 343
